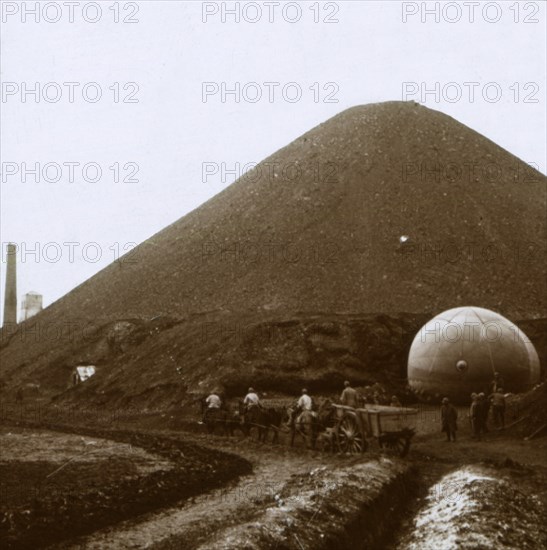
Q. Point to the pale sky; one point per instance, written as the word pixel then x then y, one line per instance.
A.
pixel 166 129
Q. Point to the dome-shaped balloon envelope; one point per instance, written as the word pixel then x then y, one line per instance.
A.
pixel 460 350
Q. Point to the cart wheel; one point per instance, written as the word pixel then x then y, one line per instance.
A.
pixel 350 440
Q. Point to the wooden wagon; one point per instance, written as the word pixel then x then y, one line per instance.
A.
pixel 392 427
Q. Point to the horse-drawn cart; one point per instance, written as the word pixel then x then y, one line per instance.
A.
pixel 393 427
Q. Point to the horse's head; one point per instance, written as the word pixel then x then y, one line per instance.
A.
pixel 326 404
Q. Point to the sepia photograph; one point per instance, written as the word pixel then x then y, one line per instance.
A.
pixel 273 275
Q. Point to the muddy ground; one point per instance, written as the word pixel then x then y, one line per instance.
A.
pixel 55 487
pixel 235 492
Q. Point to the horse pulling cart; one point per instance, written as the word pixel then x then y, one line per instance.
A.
pixel 393 427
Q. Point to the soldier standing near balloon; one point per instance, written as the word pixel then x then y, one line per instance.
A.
pixel 449 419
pixel 498 408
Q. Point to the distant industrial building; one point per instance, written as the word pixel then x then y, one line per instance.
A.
pixel 10 296
pixel 31 305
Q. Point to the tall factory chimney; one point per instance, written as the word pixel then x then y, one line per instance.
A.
pixel 10 295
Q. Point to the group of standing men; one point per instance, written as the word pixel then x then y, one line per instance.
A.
pixel 478 411
pixel 480 408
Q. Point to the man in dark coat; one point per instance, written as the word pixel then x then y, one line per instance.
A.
pixel 449 418
pixel 473 415
pixel 498 408
pixel 478 413
pixel 484 409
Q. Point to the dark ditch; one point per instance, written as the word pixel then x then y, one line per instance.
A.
pixel 469 507
pixel 352 504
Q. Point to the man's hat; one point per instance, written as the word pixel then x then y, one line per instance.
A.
pixel 304 390
pixel 346 383
pixel 251 390
pixel 445 399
